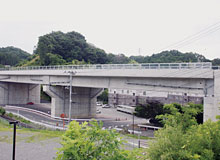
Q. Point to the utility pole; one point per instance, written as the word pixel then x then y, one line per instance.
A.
pixel 70 99
pixel 133 123
pixel 14 138
pixel 139 51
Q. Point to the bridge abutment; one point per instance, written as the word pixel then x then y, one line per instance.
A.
pixel 212 102
pixel 83 101
pixel 19 93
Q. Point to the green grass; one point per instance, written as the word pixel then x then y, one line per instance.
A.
pixel 4 125
pixel 27 135
pixel 136 136
pixel 17 118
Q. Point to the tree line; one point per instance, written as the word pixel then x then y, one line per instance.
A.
pixel 12 56
pixel 58 48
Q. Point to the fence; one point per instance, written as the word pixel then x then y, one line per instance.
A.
pixel 202 65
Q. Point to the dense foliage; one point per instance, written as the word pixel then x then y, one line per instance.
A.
pixel 12 56
pixel 182 137
pixel 2 111
pixel 170 57
pixel 216 62
pixel 150 110
pixel 73 46
pixel 58 48
pixel 103 96
pixel 61 48
pixel 91 142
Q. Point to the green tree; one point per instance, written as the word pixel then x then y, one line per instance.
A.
pixel 117 59
pixel 53 59
pixel 90 142
pixel 2 111
pixel 185 116
pixel 150 110
pixel 70 46
pixel 77 62
pixel 12 56
pixel 103 96
pixel 182 137
pixel 2 66
pixel 216 62
pixel 171 56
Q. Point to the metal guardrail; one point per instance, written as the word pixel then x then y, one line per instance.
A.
pixel 202 65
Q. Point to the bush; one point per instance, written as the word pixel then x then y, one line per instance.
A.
pixel 10 115
pixel 183 138
pixel 150 111
pixel 2 111
pixel 89 141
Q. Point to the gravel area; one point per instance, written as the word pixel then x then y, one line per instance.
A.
pixel 38 150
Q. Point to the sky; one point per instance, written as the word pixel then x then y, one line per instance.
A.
pixel 131 27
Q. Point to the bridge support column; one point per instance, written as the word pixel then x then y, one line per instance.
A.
pixel 83 101
pixel 19 93
pixel 212 103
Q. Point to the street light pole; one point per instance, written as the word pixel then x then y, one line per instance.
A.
pixel 14 138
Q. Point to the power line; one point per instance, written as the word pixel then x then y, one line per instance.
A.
pixel 198 37
pixel 208 30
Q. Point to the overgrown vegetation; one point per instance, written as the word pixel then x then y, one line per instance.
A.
pixel 150 110
pixel 183 138
pixel 154 108
pixel 44 96
pixel 103 96
pixel 58 48
pixel 12 56
pixel 90 142
pixel 2 111
pixel 137 137
pixel 62 48
pixel 15 117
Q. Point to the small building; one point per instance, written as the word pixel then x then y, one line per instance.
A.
pixel 135 97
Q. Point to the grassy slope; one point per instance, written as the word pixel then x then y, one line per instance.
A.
pixel 31 135
pixel 31 62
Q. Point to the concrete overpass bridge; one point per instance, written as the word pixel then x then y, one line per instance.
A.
pixel 21 85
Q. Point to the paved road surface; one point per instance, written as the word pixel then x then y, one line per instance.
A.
pixel 110 117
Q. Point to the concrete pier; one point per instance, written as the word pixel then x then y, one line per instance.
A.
pixel 83 101
pixel 19 93
pixel 212 101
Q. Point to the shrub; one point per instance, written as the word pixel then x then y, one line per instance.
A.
pixel 88 141
pixel 2 111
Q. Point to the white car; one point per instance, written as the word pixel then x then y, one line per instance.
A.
pixel 98 111
pixel 105 106
pixel 98 104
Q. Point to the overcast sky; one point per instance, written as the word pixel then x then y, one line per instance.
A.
pixel 117 26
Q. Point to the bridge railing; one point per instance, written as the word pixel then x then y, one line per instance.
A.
pixel 202 65
pixel 215 67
